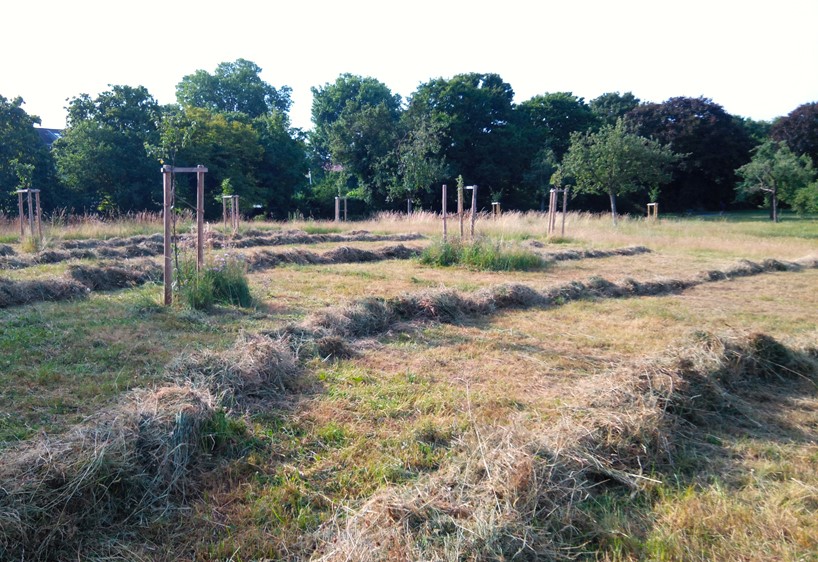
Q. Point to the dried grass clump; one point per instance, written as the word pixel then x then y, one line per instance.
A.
pixel 127 467
pixel 6 250
pixel 504 497
pixel 510 295
pixel 107 277
pixel 566 255
pixel 266 259
pixel 519 492
pixel 362 318
pixel 256 365
pixel 14 293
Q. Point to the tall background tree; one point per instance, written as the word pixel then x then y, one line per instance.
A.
pixel 237 125
pixel 22 151
pixel 356 126
pixel 474 113
pixel 611 106
pixel 233 87
pixel 799 129
pixel 714 145
pixel 102 156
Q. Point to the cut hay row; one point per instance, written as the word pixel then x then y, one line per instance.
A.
pixel 148 246
pixel 134 465
pixel 372 316
pixel 267 259
pixel 522 493
pixel 79 281
pixel 566 255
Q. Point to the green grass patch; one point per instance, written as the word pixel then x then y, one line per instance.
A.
pixel 223 281
pixel 482 254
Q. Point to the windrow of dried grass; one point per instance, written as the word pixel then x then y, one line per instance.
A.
pixel 266 259
pixel 522 492
pixel 134 465
pixel 81 280
pixel 372 316
pixel 252 238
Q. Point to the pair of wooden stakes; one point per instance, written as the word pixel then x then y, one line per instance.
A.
pixel 34 212
pixel 229 203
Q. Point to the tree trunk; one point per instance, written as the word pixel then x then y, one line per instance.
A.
pixel 613 206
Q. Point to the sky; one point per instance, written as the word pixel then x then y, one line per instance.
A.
pixel 757 59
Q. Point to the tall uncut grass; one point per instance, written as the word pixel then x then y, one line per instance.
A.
pixel 222 281
pixel 482 254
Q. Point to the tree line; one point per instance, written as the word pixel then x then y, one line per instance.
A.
pixel 381 151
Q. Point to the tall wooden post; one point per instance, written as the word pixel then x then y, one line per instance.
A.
pixel 564 209
pixel 460 210
pixel 199 217
pixel 345 208
pixel 445 233
pixel 38 212
pixel 236 214
pixel 224 212
pixel 22 214
pixel 30 214
pixel 473 208
pixel 166 210
pixel 337 209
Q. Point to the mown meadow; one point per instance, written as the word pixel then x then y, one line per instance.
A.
pixel 638 392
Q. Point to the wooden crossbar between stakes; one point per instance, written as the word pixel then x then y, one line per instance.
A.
pixel 552 210
pixel 167 208
pixel 34 212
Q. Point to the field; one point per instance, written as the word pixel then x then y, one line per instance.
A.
pixel 639 392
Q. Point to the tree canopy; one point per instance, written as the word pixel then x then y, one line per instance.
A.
pixel 21 153
pixel 613 161
pixel 712 142
pixel 799 129
pixel 102 156
pixel 778 173
pixel 233 87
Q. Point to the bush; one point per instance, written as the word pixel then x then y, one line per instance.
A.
pixel 483 255
pixel 224 281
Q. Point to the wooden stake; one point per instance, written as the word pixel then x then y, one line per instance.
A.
pixel 445 233
pixel 39 213
pixel 166 209
pixel 460 209
pixel 345 209
pixel 337 209
pixel 22 214
pixel 199 217
pixel 564 209
pixel 473 208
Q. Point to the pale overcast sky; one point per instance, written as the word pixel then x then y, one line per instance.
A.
pixel 757 59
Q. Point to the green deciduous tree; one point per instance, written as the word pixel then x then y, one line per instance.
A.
pixel 474 113
pixel 417 161
pixel 356 128
pixel 22 152
pixel 233 87
pixel 612 105
pixel 613 161
pixel 103 157
pixel 779 174
pixel 550 119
